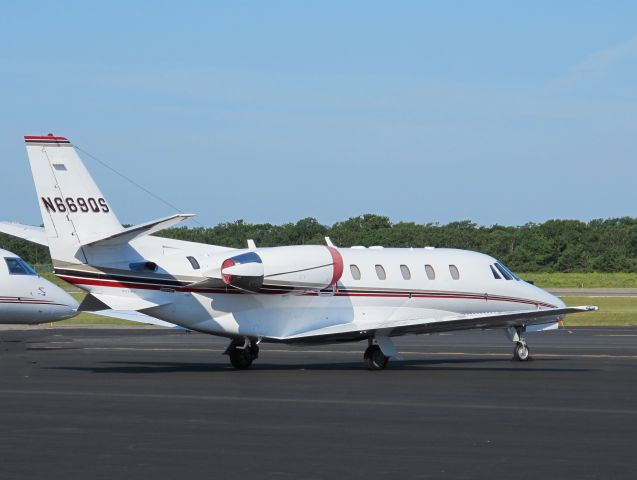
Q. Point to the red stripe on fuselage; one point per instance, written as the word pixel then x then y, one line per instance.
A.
pixel 25 299
pixel 32 302
pixel 139 286
pixel 142 286
pixel 444 295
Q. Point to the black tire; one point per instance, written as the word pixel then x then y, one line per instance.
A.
pixel 374 358
pixel 521 352
pixel 240 359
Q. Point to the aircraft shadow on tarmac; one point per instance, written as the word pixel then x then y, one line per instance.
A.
pixel 446 365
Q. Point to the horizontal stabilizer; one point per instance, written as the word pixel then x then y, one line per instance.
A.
pixel 137 231
pixel 26 232
pixel 95 302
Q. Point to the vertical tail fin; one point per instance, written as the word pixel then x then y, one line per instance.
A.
pixel 73 207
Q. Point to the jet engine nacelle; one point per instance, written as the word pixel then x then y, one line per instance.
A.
pixel 302 267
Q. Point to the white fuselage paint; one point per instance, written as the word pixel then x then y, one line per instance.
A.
pixel 31 299
pixel 362 302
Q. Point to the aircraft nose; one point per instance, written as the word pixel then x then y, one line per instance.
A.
pixel 544 296
pixel 71 305
pixel 557 301
pixel 66 305
pixel 549 298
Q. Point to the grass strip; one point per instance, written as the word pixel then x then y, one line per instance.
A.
pixel 613 311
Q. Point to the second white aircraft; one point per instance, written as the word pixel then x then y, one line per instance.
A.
pixel 26 298
pixel 304 294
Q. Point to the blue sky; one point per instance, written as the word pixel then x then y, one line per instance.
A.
pixel 496 112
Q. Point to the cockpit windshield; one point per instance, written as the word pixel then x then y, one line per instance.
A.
pixel 17 266
pixel 506 272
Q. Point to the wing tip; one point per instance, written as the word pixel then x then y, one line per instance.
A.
pixel 586 308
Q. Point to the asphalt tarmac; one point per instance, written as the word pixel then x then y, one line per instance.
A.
pixel 158 404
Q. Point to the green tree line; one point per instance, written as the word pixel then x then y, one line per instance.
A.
pixel 604 245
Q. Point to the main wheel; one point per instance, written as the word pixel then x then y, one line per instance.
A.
pixel 241 358
pixel 374 358
pixel 521 352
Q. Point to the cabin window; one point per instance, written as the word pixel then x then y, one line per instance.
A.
pixel 193 261
pixel 17 266
pixel 453 270
pixel 356 273
pixel 380 272
pixel 431 273
pixel 495 273
pixel 404 269
pixel 503 271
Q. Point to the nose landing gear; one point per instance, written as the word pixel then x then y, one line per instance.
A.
pixel 521 352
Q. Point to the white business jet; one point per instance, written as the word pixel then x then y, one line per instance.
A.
pixel 27 298
pixel 304 294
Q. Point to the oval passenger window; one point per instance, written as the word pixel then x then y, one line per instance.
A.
pixel 404 269
pixel 380 272
pixel 194 263
pixel 431 273
pixel 356 273
pixel 453 270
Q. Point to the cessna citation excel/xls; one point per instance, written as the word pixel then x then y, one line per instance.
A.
pixel 27 298
pixel 304 294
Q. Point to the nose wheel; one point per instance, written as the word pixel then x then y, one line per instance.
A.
pixel 521 352
pixel 242 353
pixel 374 358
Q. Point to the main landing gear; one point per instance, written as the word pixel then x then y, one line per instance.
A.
pixel 379 351
pixel 242 352
pixel 521 352
pixel 374 358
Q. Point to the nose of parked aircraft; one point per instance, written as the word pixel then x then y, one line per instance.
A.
pixel 70 305
pixel 65 305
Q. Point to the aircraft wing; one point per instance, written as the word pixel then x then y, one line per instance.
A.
pixel 351 330
pixel 26 232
